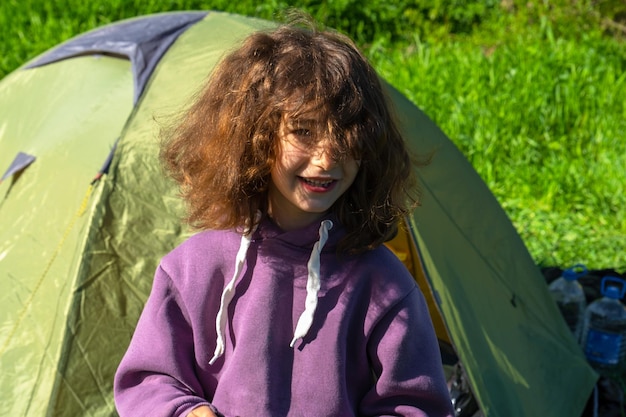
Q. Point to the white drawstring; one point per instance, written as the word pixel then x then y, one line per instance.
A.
pixel 312 284
pixel 312 290
pixel 227 296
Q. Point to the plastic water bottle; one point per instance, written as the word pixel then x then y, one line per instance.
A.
pixel 570 297
pixel 604 334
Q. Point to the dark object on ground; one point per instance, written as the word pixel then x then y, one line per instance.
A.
pixel 610 400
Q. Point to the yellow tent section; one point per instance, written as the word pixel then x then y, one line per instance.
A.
pixel 404 248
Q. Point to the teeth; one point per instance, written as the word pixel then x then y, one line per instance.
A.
pixel 316 183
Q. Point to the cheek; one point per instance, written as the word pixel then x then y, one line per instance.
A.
pixel 351 169
pixel 275 174
pixel 288 162
pixel 280 172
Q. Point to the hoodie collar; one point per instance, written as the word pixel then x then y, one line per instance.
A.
pixel 304 237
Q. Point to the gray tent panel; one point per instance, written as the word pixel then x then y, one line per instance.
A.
pixel 143 41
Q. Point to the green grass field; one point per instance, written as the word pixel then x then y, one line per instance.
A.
pixel 532 94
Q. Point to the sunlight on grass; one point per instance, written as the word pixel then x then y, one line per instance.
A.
pixel 537 126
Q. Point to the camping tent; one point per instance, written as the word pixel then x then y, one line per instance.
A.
pixel 85 215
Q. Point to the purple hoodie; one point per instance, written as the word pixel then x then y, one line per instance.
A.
pixel 370 349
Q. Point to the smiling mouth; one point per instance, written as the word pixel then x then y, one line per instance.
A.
pixel 317 183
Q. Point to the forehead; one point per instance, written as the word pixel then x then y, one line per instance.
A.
pixel 304 106
pixel 297 121
pixel 305 117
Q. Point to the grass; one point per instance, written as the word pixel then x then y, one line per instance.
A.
pixel 535 105
pixel 543 125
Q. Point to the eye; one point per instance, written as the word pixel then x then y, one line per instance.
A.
pixel 302 132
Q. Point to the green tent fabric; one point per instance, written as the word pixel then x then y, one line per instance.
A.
pixel 79 243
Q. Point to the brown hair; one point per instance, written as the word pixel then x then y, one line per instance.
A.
pixel 223 149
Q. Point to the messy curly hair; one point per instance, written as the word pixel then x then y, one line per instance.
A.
pixel 222 151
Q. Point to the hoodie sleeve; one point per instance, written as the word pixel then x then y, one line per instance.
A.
pixel 156 376
pixel 407 364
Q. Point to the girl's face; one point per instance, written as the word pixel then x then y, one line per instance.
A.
pixel 305 180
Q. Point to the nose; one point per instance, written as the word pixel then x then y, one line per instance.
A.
pixel 322 156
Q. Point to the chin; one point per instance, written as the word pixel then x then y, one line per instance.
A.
pixel 317 210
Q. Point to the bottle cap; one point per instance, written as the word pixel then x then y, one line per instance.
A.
pixel 575 272
pixel 613 287
pixel 612 292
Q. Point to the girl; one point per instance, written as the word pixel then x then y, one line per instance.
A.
pixel 287 304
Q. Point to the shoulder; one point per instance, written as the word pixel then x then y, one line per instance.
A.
pixel 383 260
pixel 383 285
pixel 386 273
pixel 200 252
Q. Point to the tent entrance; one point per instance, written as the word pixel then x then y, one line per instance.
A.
pixel 404 248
